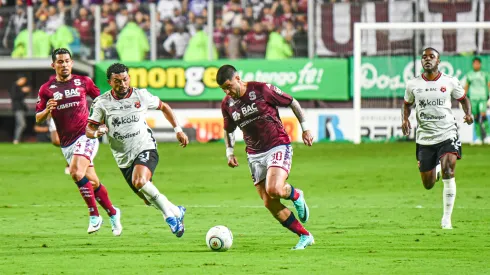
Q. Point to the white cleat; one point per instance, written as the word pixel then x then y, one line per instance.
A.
pixel 116 223
pixel 446 223
pixel 94 224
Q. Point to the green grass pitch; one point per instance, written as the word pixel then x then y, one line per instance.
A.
pixel 369 214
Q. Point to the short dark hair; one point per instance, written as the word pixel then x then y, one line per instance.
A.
pixel 225 72
pixel 59 51
pixel 116 68
pixel 477 59
pixel 432 49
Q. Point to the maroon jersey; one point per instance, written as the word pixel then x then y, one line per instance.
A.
pixel 71 113
pixel 256 114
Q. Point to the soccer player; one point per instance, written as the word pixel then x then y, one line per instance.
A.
pixel 64 98
pixel 437 133
pixel 252 106
pixel 477 84
pixel 121 113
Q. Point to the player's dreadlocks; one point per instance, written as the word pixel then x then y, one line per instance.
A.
pixel 225 72
pixel 116 68
pixel 59 51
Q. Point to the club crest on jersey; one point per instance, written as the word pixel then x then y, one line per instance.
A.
pixel 236 116
pixel 137 104
pixel 443 89
pixel 57 96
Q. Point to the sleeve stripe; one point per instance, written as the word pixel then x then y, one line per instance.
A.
pixel 461 98
pixel 160 105
pixel 93 122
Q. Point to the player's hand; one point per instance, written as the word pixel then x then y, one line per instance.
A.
pixel 468 119
pixel 182 138
pixel 232 162
pixel 307 138
pixel 406 127
pixel 51 105
pixel 102 130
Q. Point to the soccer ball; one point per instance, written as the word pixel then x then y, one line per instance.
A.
pixel 219 238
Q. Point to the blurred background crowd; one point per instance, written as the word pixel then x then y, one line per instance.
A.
pixel 242 28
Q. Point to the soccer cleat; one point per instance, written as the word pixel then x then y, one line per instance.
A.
pixel 301 207
pixel 175 226
pixel 94 224
pixel 116 223
pixel 304 241
pixel 181 220
pixel 446 223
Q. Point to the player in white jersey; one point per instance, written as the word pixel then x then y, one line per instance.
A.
pixel 121 113
pixel 437 133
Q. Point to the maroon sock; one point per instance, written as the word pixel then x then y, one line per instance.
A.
pixel 294 194
pixel 87 192
pixel 103 198
pixel 294 225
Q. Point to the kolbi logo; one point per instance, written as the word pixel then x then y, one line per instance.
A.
pixel 118 121
pixel 431 103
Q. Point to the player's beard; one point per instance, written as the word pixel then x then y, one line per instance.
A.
pixel 122 92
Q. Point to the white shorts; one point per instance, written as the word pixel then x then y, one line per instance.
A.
pixel 52 126
pixel 280 156
pixel 83 146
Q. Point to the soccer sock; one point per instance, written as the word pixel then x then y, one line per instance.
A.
pixel 449 195
pixel 87 192
pixel 294 193
pixel 159 200
pixel 103 198
pixel 294 225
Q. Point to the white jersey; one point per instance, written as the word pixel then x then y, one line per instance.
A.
pixel 435 119
pixel 125 118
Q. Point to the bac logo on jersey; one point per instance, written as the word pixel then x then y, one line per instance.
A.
pixel 72 93
pixel 137 104
pixel 57 96
pixel 443 89
pixel 431 90
pixel 249 109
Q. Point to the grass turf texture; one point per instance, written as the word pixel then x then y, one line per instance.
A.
pixel 369 214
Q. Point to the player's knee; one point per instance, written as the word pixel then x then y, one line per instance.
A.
pixel 139 182
pixel 76 174
pixel 272 190
pixel 95 184
pixel 428 183
pixel 447 172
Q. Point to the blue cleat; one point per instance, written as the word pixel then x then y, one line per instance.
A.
pixel 301 207
pixel 116 223
pixel 181 220
pixel 175 226
pixel 304 241
pixel 94 225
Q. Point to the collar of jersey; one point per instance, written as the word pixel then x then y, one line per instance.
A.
pixel 126 96
pixel 435 79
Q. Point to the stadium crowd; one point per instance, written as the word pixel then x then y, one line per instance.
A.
pixel 272 29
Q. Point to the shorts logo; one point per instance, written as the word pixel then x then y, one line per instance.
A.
pixel 418 163
pixel 137 104
pixel 144 157
pixel 443 89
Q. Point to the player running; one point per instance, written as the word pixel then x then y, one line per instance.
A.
pixel 437 133
pixel 64 98
pixel 476 88
pixel 121 113
pixel 252 106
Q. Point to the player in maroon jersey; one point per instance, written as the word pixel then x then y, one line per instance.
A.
pixel 64 98
pixel 252 106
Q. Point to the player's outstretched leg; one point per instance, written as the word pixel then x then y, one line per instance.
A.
pixel 102 196
pixel 173 215
pixel 285 217
pixel 277 187
pixel 448 162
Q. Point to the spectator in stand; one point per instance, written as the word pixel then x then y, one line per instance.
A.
pixel 198 47
pixel 199 22
pixel 232 13
pixel 132 43
pixel 232 43
pixel 287 14
pixel 277 47
pixel 54 20
pixel 267 18
pixel 17 22
pixel 122 17
pixel 178 18
pixel 288 31
pixel 169 29
pixel 177 42
pixel 299 42
pixel 197 7
pixel 166 8
pixel 85 27
pixel 106 15
pixel 143 22
pixel 18 92
pixel 219 35
pixel 249 16
pixel 255 42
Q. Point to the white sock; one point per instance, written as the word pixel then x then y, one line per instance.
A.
pixel 438 169
pixel 159 200
pixel 448 196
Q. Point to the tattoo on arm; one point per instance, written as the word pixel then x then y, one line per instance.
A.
pixel 229 139
pixel 297 110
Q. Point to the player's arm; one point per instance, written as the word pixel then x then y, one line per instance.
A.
pixel 408 101
pixel 170 116
pixel 92 90
pixel 459 93
pixel 229 136
pixel 300 115
pixel 95 125
pixel 44 106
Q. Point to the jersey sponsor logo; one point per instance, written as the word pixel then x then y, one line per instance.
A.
pixel 432 103
pixel 57 96
pixel 431 90
pixel 249 109
pixel 118 121
pixel 68 105
pixel 72 93
pixel 53 86
pixel 121 137
pixel 236 116
pixel 443 89
pixel 418 91
pixel 248 121
pixel 425 116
